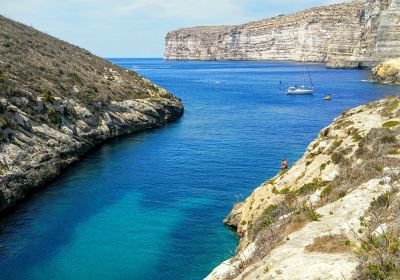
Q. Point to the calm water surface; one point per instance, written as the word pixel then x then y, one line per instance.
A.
pixel 150 206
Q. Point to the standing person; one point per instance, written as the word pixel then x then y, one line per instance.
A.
pixel 284 164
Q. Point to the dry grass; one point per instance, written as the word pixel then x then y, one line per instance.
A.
pixel 330 244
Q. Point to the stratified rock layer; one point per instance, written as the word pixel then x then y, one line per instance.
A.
pixel 356 34
pixel 57 101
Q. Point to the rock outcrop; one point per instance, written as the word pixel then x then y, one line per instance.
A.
pixel 333 213
pixel 356 34
pixel 57 101
pixel 387 72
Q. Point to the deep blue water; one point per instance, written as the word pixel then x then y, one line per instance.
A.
pixel 150 206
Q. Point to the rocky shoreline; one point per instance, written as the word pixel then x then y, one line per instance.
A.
pixel 325 210
pixel 387 72
pixel 349 35
pixel 60 101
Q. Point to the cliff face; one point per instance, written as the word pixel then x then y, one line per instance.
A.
pixel 333 213
pixel 387 72
pixel 57 101
pixel 356 34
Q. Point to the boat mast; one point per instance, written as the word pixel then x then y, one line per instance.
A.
pixel 309 76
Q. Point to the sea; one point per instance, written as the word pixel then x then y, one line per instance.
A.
pixel 151 205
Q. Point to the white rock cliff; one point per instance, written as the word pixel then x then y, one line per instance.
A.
pixel 355 34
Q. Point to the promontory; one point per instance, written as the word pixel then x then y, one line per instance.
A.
pixel 57 101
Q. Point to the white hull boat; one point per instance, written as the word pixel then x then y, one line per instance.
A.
pixel 300 90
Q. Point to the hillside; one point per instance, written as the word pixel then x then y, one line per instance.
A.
pixel 57 101
pixel 348 35
pixel 334 213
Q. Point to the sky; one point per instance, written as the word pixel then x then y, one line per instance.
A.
pixel 137 28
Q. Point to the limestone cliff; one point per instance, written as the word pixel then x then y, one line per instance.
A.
pixel 333 214
pixel 387 72
pixel 356 34
pixel 57 101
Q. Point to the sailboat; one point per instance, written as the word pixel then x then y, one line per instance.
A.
pixel 303 89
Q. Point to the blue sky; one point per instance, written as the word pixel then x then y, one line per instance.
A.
pixel 136 28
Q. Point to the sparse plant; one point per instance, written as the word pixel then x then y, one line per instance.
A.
pixel 48 96
pixel 390 124
pixel 54 118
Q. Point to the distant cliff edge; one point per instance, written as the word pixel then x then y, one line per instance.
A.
pixel 349 35
pixel 57 101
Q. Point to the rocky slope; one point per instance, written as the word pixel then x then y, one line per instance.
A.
pixel 387 72
pixel 57 101
pixel 334 213
pixel 356 34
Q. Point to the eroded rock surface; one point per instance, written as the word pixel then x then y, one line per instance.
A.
pixel 58 100
pixel 387 72
pixel 313 221
pixel 349 35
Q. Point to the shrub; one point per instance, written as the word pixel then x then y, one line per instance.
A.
pixel 391 124
pixel 3 122
pixel 341 194
pixel 75 78
pixel 383 201
pixel 312 215
pixel 54 117
pixel 356 137
pixel 285 190
pixel 327 190
pixel 48 96
pixel 311 187
pixel 393 106
pixel 388 139
pixel 337 157
pixel 336 144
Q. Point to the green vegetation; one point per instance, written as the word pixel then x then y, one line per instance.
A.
pixel 337 157
pixel 311 187
pixel 3 122
pixel 341 194
pixel 379 253
pixel 327 190
pixel 312 215
pixel 75 78
pixel 380 256
pixel 269 215
pixel 54 118
pixel 388 139
pixel 383 201
pixel 285 190
pixel 336 144
pixel 393 106
pixel 2 77
pixel 390 124
pixel 356 137
pixel 48 96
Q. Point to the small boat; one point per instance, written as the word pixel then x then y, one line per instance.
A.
pixel 328 97
pixel 302 90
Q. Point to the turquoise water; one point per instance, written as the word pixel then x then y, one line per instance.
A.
pixel 150 206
